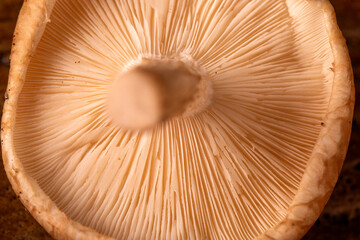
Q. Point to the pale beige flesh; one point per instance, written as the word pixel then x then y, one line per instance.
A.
pixel 255 153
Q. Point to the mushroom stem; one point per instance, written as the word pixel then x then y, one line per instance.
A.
pixel 153 91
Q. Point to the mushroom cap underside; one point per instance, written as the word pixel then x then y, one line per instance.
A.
pixel 255 156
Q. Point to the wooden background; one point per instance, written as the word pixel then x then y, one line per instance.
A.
pixel 341 217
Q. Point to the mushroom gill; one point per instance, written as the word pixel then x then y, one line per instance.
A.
pixel 228 167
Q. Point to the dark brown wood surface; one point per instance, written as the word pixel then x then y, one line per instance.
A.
pixel 341 217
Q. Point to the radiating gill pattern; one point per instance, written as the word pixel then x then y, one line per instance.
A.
pixel 229 172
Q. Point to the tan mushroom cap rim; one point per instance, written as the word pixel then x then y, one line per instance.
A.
pixel 257 159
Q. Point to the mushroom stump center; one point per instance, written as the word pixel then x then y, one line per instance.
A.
pixel 154 90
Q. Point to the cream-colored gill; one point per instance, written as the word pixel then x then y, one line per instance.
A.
pixel 228 170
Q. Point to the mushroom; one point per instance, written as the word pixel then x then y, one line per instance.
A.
pixel 166 119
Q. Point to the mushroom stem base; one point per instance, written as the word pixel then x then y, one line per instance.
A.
pixel 156 90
